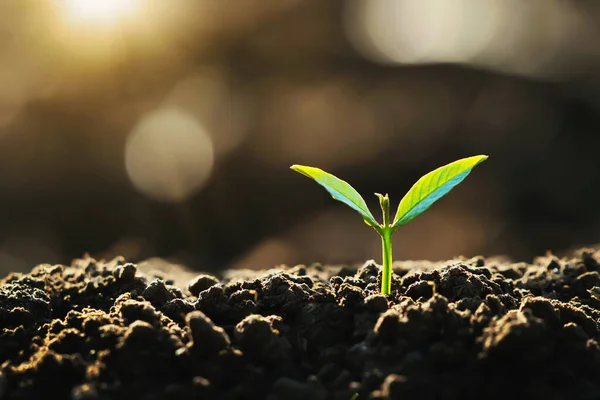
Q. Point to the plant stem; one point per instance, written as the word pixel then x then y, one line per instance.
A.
pixel 386 245
pixel 386 273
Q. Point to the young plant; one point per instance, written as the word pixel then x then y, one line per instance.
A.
pixel 419 198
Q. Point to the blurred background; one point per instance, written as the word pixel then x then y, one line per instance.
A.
pixel 152 128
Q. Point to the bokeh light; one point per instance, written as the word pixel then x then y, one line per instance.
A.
pixel 102 13
pixel 407 31
pixel 508 35
pixel 168 155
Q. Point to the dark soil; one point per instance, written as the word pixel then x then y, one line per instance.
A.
pixel 471 329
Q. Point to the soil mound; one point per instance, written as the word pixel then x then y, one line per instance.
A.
pixel 465 329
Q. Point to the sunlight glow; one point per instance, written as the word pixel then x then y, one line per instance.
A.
pixel 99 12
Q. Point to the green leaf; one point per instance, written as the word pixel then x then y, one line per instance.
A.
pixel 339 190
pixel 432 187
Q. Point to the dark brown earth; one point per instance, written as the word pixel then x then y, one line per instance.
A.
pixel 468 329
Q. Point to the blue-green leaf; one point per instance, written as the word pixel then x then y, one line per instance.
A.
pixel 432 187
pixel 339 190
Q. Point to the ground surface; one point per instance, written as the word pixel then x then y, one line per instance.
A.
pixel 464 329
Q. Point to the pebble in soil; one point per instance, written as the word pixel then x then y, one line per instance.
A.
pixel 465 329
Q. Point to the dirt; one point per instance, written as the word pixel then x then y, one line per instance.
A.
pixel 465 329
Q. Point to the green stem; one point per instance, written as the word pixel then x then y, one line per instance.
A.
pixel 385 230
pixel 386 277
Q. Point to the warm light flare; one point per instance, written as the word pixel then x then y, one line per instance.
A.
pixel 99 12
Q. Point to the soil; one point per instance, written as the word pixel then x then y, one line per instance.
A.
pixel 465 329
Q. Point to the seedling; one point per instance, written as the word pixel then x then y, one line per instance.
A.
pixel 419 198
